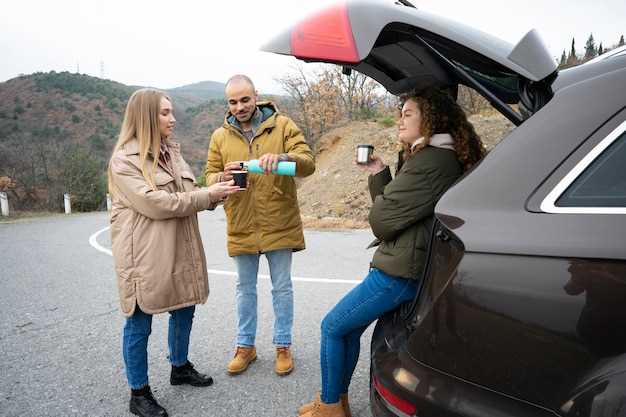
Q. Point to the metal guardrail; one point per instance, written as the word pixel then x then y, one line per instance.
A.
pixel 4 204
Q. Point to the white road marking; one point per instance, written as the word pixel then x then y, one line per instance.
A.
pixel 93 241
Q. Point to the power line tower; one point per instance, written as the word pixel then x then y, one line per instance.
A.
pixel 102 69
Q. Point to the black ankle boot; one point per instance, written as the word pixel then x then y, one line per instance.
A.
pixel 186 374
pixel 142 403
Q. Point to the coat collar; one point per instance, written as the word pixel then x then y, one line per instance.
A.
pixel 438 140
pixel 132 147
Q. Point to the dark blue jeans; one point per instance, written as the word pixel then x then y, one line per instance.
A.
pixel 135 342
pixel 343 326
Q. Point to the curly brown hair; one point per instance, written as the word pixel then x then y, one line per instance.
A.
pixel 441 114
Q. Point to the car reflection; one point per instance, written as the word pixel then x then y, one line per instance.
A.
pixel 602 322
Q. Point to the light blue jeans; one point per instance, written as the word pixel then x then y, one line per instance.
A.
pixel 282 296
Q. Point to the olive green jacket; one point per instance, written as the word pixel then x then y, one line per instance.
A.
pixel 403 207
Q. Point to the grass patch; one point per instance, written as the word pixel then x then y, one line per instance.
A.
pixel 387 121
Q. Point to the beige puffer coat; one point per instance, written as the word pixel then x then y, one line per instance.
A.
pixel 158 253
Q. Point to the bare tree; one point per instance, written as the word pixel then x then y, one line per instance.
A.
pixel 359 93
pixel 297 86
pixel 316 99
pixel 325 96
pixel 471 101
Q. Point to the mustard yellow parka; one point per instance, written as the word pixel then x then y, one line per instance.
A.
pixel 266 216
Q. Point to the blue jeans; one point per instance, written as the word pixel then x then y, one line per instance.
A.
pixel 135 342
pixel 282 296
pixel 343 326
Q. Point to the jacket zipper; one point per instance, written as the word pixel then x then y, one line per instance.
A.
pixel 257 233
pixel 250 156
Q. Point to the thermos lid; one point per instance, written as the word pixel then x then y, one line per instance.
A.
pixel 365 146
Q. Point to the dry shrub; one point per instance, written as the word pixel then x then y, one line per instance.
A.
pixel 332 223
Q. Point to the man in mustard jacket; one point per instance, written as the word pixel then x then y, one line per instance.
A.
pixel 263 219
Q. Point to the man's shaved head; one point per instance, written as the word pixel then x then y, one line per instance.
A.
pixel 238 78
pixel 241 97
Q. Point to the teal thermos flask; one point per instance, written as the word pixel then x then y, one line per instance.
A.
pixel 284 167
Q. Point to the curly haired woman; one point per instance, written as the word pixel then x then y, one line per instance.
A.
pixel 439 144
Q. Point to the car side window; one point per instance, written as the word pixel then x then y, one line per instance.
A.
pixel 602 183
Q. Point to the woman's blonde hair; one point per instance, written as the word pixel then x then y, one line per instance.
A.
pixel 441 114
pixel 141 122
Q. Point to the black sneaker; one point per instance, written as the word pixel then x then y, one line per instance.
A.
pixel 186 374
pixel 146 406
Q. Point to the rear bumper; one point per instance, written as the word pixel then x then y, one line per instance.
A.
pixel 378 406
pixel 434 393
pixel 388 337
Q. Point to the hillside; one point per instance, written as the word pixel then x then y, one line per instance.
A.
pixel 61 109
pixel 55 123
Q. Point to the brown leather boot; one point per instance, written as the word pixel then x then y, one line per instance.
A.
pixel 244 356
pixel 309 406
pixel 284 361
pixel 321 409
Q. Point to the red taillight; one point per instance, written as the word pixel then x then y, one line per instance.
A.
pixel 326 36
pixel 395 401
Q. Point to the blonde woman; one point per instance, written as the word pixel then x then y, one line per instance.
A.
pixel 158 253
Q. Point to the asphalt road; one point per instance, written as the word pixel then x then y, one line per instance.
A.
pixel 60 325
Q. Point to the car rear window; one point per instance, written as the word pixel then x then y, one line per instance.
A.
pixel 603 183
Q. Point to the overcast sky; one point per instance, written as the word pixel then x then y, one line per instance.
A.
pixel 168 44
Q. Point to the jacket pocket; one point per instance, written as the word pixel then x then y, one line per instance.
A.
pixel 159 293
pixel 283 188
pixel 122 240
pixel 188 174
pixel 161 179
pixel 189 180
pixel 126 290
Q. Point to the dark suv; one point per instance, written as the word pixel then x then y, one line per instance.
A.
pixel 522 308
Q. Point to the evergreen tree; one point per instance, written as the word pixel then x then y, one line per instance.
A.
pixel 600 49
pixel 621 41
pixel 572 59
pixel 590 49
pixel 563 61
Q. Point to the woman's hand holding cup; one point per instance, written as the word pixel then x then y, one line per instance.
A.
pixel 221 190
pixel 373 166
